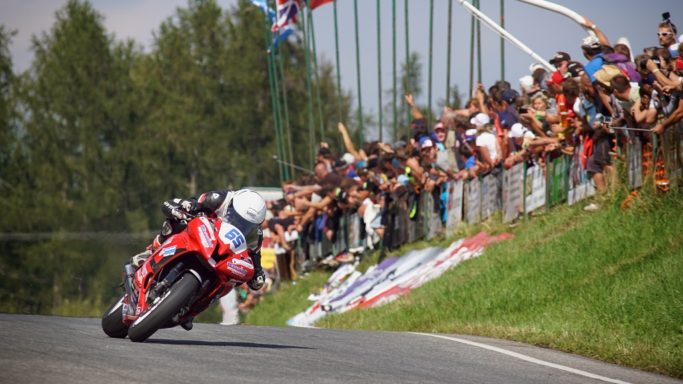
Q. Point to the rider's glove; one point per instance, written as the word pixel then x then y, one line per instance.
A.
pixel 257 281
pixel 178 214
pixel 188 206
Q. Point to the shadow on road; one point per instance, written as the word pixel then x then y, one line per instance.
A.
pixel 223 344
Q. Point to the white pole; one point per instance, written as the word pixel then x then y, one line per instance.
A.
pixel 505 34
pixel 562 10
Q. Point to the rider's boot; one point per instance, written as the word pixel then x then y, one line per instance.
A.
pixel 140 258
pixel 187 325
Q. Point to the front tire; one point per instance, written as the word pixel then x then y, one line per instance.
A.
pixel 160 313
pixel 112 320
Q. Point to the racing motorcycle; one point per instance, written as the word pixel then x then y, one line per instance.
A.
pixel 187 273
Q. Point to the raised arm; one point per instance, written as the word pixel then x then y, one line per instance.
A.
pixel 602 38
pixel 348 143
pixel 413 109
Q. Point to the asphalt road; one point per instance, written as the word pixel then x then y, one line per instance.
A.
pixel 43 349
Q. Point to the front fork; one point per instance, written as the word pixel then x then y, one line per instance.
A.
pixel 131 302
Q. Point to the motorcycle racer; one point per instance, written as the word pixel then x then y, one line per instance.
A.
pixel 245 209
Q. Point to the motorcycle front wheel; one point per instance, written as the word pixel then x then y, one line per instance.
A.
pixel 164 309
pixel 112 320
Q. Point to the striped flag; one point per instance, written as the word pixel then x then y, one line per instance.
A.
pixel 313 4
pixel 286 13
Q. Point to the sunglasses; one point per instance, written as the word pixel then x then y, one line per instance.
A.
pixel 664 34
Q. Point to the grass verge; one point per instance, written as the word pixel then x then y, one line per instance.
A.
pixel 606 284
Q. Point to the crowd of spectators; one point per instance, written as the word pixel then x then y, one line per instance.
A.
pixel 587 107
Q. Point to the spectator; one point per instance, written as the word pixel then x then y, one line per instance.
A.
pixel 666 33
pixel 561 62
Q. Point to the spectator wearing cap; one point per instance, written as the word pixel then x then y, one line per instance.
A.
pixel 488 147
pixel 575 69
pixel 468 152
pixel 561 62
pixel 592 51
pixel 506 108
pixel 522 139
pixel 538 74
pixel 438 135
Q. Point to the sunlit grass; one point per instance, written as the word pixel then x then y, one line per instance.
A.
pixel 606 284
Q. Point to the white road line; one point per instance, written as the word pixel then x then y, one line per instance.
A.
pixel 526 358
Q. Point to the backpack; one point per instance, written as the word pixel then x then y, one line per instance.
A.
pixel 624 65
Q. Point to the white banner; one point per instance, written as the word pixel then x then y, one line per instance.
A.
pixel 635 163
pixel 535 188
pixel 580 186
pixel 512 192
pixel 455 194
pixel 472 206
pixel 489 196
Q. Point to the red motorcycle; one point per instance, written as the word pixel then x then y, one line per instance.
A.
pixel 187 273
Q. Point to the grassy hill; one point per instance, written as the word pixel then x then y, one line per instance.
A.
pixel 606 284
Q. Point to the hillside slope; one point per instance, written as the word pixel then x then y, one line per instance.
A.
pixel 607 285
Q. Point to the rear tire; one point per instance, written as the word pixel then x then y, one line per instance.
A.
pixel 112 320
pixel 163 311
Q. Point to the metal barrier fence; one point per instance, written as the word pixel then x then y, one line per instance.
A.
pixel 515 192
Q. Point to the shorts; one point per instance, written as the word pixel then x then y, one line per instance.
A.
pixel 284 222
pixel 600 157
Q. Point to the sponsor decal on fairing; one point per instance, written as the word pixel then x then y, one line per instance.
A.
pixel 169 251
pixel 236 269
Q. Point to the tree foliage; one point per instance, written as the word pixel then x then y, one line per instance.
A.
pixel 97 132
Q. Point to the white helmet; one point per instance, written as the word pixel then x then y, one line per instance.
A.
pixel 247 210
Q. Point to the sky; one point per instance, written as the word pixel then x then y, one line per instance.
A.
pixel 543 31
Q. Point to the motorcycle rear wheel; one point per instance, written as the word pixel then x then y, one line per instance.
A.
pixel 112 320
pixel 161 312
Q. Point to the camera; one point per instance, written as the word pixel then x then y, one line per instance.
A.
pixel 643 63
pixel 666 16
pixel 602 119
pixel 523 110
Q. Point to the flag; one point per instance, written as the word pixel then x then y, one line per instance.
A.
pixel 281 35
pixel 286 13
pixel 264 7
pixel 313 4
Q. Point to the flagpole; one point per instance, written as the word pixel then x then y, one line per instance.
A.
pixel 478 47
pixel 448 53
pixel 393 54
pixel 472 30
pixel 288 131
pixel 408 65
pixel 336 46
pixel 379 67
pixel 273 94
pixel 309 92
pixel 361 134
pixel 502 40
pixel 431 44
pixel 276 81
pixel 311 31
